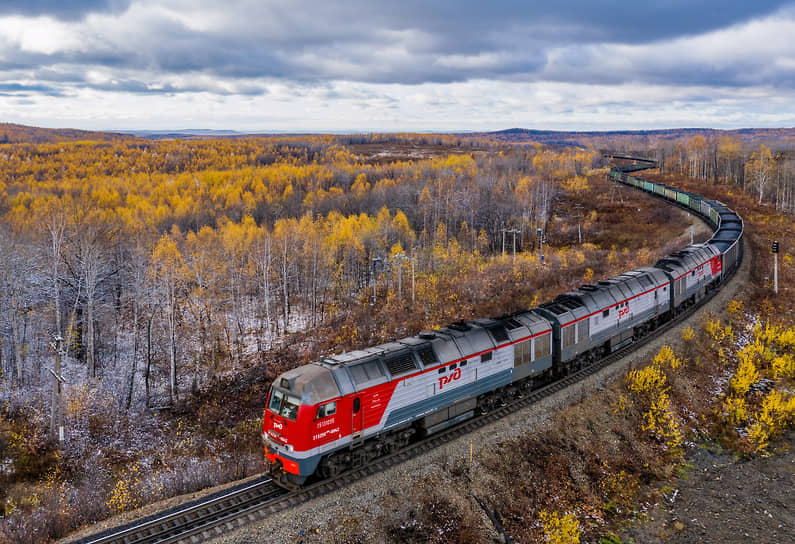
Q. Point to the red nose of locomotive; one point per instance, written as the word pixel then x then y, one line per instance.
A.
pixel 290 419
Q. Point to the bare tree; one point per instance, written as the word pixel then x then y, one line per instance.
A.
pixel 54 223
pixel 17 266
pixel 137 266
pixel 167 271
pixel 90 262
pixel 264 259
pixel 760 170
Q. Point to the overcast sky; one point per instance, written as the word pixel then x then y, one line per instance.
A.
pixel 368 65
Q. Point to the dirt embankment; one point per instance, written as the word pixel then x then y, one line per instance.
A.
pixel 721 498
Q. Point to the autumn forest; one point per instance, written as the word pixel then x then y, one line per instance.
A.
pixel 145 282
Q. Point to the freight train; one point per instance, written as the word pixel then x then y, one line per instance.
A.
pixel 341 412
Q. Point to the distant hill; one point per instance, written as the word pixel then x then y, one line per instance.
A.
pixel 11 133
pixel 185 134
pixel 601 138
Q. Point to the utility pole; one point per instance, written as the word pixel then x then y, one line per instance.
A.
pixel 375 278
pixel 578 208
pixel 402 257
pixel 56 410
pixel 540 234
pixel 514 232
pixel 400 281
pixel 413 260
pixel 774 247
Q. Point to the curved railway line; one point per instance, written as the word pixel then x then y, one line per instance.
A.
pixel 240 505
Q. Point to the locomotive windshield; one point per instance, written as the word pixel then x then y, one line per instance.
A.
pixel 283 405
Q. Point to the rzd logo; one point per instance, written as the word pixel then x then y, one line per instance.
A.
pixel 444 380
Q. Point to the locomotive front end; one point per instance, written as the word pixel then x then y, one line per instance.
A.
pixel 295 403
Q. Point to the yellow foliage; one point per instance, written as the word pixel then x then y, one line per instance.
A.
pixel 360 185
pixel 746 374
pixel 667 357
pixel 78 399
pixel 650 390
pixel 783 366
pixel 126 493
pixel 575 184
pixel 736 308
pixel 735 410
pixel 620 488
pixel 786 339
pixel 560 529
pixel 778 411
pixel 621 404
pixel 718 332
pixel 647 381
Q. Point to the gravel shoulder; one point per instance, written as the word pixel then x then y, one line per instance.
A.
pixel 721 498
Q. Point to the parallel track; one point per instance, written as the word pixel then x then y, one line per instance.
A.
pixel 214 517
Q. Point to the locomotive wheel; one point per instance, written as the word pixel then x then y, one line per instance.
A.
pixel 333 465
pixel 487 403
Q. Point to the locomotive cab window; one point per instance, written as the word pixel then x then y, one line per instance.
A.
pixel 275 402
pixel 328 409
pixel 290 407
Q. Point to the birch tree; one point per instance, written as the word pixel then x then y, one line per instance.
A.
pixel 15 274
pixel 760 170
pixel 166 269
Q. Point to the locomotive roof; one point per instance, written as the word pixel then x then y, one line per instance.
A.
pixel 469 338
pixel 455 341
pixel 687 259
pixel 534 322
pixel 591 298
pixel 311 383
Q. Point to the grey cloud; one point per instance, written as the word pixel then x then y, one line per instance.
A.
pixel 407 42
pixel 68 10
pixel 23 89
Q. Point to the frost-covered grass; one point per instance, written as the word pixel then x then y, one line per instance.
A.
pixel 111 461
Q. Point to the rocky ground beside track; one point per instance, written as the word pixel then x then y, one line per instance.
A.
pixel 719 497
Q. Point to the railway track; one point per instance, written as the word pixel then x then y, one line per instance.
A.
pixel 210 518
pixel 197 521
